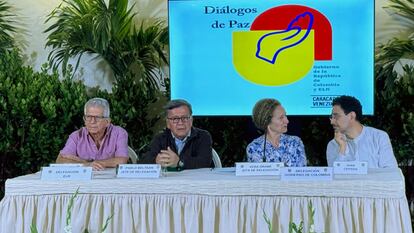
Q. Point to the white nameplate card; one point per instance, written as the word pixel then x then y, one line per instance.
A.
pixel 353 167
pixel 306 173
pixel 258 169
pixel 66 165
pixel 66 173
pixel 138 171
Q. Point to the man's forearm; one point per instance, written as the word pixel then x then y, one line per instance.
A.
pixel 113 162
pixel 70 159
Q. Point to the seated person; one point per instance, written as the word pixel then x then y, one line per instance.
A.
pixel 354 141
pixel 99 144
pixel 180 146
pixel 274 145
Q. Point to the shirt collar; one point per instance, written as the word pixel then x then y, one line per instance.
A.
pixel 184 139
pixel 361 135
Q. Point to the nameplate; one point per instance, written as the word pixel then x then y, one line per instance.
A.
pixel 66 173
pixel 258 169
pixel 138 171
pixel 66 165
pixel 353 167
pixel 306 173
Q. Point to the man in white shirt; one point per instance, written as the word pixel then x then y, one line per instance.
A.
pixel 354 141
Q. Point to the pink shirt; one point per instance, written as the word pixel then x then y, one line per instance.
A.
pixel 81 144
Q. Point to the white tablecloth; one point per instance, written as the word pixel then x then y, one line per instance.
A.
pixel 207 201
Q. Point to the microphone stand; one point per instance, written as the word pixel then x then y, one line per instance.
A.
pixel 264 146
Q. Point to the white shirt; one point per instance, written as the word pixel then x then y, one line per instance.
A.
pixel 372 146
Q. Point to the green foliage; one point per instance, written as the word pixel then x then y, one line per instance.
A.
pixel 316 132
pixel 33 228
pixel 7 27
pixel 69 210
pixel 135 55
pixel 68 226
pixel 403 9
pixel 136 109
pixel 268 222
pixel 37 111
pixel 395 109
pixel 107 31
pixel 293 228
pixel 229 135
pixel 394 106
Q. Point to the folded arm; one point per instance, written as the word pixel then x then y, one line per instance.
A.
pixel 70 159
pixel 96 165
pixel 112 162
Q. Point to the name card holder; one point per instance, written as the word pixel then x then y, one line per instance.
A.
pixel 351 168
pixel 138 171
pixel 306 174
pixel 66 173
pixel 258 169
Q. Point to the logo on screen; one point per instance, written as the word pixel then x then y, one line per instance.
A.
pixel 282 45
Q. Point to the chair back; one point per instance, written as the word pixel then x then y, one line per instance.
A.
pixel 216 159
pixel 132 155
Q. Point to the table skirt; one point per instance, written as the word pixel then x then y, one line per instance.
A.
pixel 185 213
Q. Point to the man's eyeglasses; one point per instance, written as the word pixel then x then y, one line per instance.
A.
pixel 90 118
pixel 183 119
pixel 336 116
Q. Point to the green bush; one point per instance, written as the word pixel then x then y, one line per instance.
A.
pixel 7 26
pixel 37 111
pixel 230 136
pixel 394 109
pixel 136 108
pixel 394 96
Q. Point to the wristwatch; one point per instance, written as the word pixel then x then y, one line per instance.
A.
pixel 180 165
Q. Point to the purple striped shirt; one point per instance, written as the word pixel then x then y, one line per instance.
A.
pixel 81 144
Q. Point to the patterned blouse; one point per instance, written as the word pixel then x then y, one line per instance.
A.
pixel 291 151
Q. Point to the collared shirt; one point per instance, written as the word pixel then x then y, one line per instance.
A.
pixel 81 144
pixel 195 154
pixel 372 145
pixel 291 151
pixel 180 143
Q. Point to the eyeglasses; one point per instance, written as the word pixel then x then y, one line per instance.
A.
pixel 89 118
pixel 183 119
pixel 336 116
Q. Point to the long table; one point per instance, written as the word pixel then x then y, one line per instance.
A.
pixel 208 201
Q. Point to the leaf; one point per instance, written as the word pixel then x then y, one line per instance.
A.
pixel 268 222
pixel 107 31
pixel 33 228
pixel 69 208
pixel 106 223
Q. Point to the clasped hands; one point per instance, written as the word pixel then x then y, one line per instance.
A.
pixel 167 158
pixel 96 165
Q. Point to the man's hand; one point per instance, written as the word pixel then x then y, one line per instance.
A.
pixel 167 158
pixel 340 138
pixel 97 165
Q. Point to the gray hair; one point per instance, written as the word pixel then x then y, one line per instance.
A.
pixel 98 102
pixel 176 104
